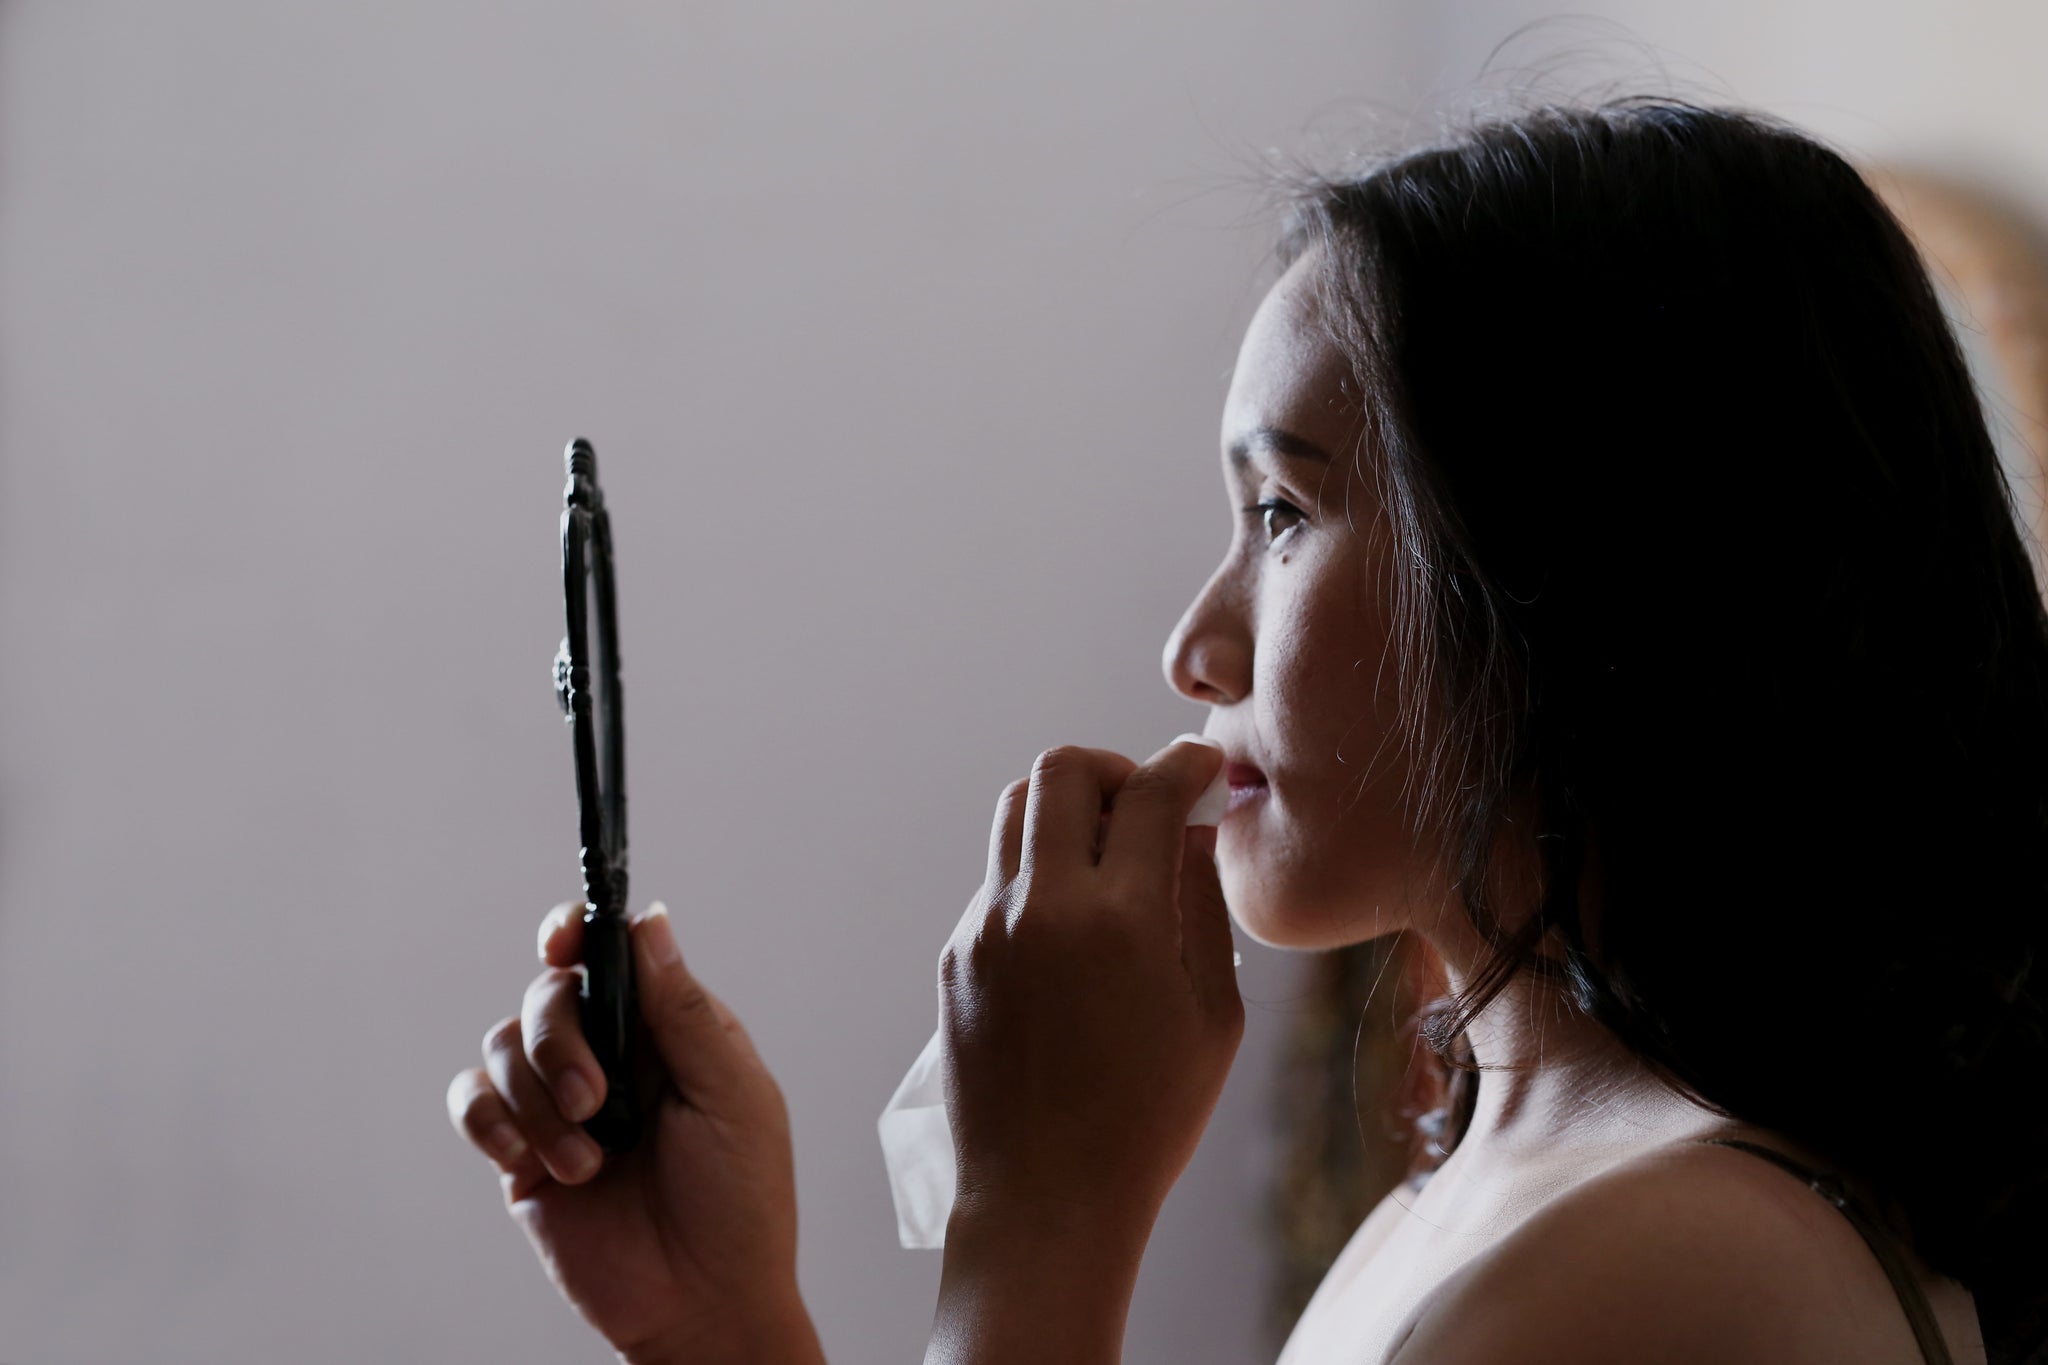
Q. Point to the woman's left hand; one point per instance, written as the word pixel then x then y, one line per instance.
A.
pixel 1089 997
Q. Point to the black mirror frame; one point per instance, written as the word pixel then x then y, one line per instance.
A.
pixel 610 1005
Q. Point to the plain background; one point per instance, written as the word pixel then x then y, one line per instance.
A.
pixel 902 331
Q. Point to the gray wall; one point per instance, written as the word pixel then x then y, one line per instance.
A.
pixel 903 332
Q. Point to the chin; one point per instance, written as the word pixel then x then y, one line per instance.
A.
pixel 1312 879
pixel 1258 924
pixel 1298 913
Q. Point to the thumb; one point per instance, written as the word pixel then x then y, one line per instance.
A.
pixel 1205 944
pixel 698 1039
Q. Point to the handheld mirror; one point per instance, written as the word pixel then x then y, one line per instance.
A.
pixel 587 685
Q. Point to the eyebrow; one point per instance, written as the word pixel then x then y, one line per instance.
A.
pixel 1276 441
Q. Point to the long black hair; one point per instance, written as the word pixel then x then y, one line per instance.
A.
pixel 1703 553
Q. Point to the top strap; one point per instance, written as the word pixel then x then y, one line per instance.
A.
pixel 1926 1330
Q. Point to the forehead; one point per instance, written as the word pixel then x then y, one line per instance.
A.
pixel 1290 373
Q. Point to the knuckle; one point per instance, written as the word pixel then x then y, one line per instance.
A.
pixel 550 1051
pixel 482 1112
pixel 1147 784
pixel 972 961
pixel 552 925
pixel 548 994
pixel 502 1037
pixel 1005 907
pixel 957 960
pixel 687 1005
pixel 727 1020
pixel 465 1097
pixel 562 979
pixel 1058 761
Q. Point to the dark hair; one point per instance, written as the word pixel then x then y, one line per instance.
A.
pixel 1702 550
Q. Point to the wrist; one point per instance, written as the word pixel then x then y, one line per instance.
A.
pixel 1033 1283
pixel 1102 1231
pixel 774 1331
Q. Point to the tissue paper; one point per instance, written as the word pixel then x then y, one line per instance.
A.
pixel 917 1147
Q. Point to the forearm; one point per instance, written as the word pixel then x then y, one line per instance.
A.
pixel 1020 1290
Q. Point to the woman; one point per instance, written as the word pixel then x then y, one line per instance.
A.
pixel 1624 598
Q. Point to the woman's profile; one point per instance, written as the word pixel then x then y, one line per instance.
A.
pixel 1623 598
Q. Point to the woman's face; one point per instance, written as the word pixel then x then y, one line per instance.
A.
pixel 1288 643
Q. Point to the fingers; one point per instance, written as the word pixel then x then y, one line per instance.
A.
pixel 1206 949
pixel 561 935
pixel 1006 837
pixel 505 1108
pixel 708 1054
pixel 1148 821
pixel 570 1156
pixel 1063 808
pixel 551 1026
pixel 479 1113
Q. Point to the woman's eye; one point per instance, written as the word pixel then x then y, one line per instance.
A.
pixel 1277 516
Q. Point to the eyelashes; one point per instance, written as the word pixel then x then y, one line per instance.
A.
pixel 1273 511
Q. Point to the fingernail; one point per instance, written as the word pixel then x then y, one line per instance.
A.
pixel 576 1158
pixel 1198 739
pixel 504 1143
pixel 661 937
pixel 574 1097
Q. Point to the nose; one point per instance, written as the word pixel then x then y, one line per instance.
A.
pixel 1208 657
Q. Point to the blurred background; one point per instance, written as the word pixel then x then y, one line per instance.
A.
pixel 902 330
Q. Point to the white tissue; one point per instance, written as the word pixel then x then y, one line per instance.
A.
pixel 1214 800
pixel 917 1147
pixel 917 1140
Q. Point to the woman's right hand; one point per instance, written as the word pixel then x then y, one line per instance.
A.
pixel 683 1248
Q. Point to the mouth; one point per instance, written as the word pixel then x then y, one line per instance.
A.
pixel 1247 784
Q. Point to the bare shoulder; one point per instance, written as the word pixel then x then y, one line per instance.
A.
pixel 1686 1254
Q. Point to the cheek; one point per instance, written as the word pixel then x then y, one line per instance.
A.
pixel 1329 857
pixel 1324 678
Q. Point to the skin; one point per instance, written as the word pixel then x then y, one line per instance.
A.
pixel 1091 1015
pixel 1288 645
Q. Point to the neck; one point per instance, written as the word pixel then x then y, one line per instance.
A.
pixel 1553 1081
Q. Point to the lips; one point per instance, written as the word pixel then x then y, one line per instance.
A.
pixel 1243 775
pixel 1247 784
